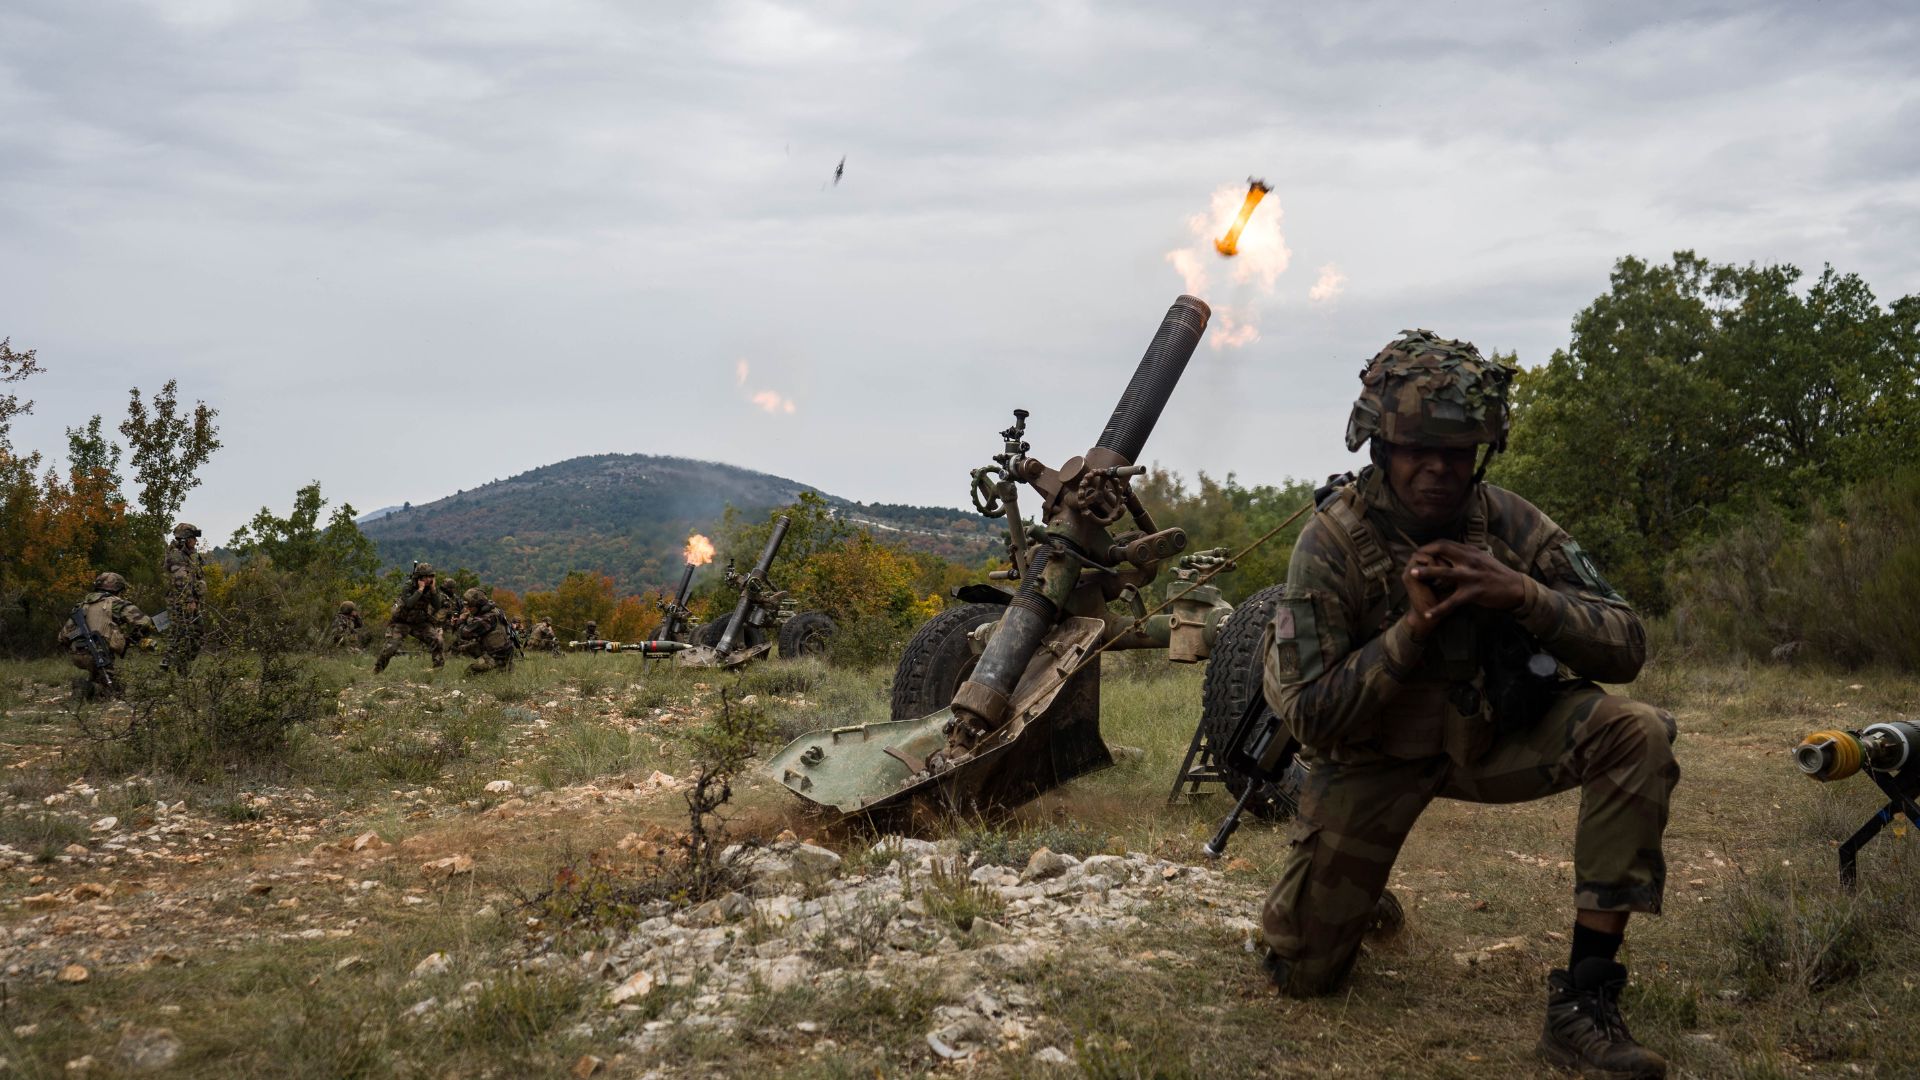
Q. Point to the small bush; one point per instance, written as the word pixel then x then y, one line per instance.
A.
pixel 950 897
pixel 42 835
pixel 239 706
pixel 1843 587
pixel 1794 937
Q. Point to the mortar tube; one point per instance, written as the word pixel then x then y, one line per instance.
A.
pixel 670 625
pixel 758 573
pixel 1153 381
pixel 1029 615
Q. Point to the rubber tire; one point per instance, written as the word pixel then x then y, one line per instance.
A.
pixel 709 634
pixel 938 659
pixel 1232 687
pixel 806 634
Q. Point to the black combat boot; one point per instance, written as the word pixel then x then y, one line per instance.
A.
pixel 1388 918
pixel 1584 1030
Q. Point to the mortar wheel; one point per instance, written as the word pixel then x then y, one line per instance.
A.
pixel 806 634
pixel 709 634
pixel 1232 690
pixel 938 659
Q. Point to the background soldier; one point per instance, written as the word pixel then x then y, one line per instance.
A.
pixel 111 623
pixel 543 637
pixel 418 613
pixel 484 633
pixel 1440 637
pixel 186 577
pixel 348 629
pixel 593 630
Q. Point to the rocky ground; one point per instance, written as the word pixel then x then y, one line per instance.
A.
pixel 383 903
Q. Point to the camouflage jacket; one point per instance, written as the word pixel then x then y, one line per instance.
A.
pixel 421 607
pixel 186 576
pixel 1343 669
pixel 541 635
pixel 111 617
pixel 345 625
pixel 486 630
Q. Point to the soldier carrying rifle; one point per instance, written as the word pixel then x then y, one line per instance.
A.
pixel 1440 637
pixel 99 630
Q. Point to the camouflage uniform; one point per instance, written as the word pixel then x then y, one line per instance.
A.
pixel 186 577
pixel 116 621
pixel 543 637
pixel 1388 722
pixel 484 632
pixel 417 614
pixel 348 628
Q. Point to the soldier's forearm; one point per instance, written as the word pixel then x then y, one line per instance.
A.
pixel 1599 641
pixel 1341 705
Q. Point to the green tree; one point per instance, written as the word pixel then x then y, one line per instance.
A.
pixel 1690 393
pixel 336 553
pixel 14 367
pixel 167 450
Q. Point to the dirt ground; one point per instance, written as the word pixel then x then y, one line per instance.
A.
pixel 365 904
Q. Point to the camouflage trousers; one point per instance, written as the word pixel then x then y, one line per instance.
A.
pixel 497 660
pixel 1355 814
pixel 82 658
pixel 397 634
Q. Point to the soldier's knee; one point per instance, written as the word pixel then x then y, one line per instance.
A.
pixel 1639 734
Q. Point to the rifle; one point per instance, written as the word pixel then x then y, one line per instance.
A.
pixel 97 646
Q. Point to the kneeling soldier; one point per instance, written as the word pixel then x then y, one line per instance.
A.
pixel 483 632
pixel 1441 638
pixel 99 630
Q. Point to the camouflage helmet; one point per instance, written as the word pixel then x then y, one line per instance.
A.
pixel 184 531
pixel 422 570
pixel 109 582
pixel 474 596
pixel 348 607
pixel 1426 390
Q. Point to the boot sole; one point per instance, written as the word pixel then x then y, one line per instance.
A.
pixel 1561 1058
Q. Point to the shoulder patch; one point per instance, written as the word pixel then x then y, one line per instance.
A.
pixel 1588 573
pixel 1295 655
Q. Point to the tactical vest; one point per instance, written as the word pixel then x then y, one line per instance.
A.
pixel 1440 709
pixel 97 611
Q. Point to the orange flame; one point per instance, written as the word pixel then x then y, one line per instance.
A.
pixel 699 550
pixel 1229 245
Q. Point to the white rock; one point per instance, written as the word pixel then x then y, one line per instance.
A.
pixel 105 824
pixel 434 964
pixel 1052 1055
pixel 639 984
pixel 904 846
pixel 499 787
pixel 1046 864
pixel 813 862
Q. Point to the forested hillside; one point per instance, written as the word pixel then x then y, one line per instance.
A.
pixel 628 515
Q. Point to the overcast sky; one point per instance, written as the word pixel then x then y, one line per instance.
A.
pixel 412 247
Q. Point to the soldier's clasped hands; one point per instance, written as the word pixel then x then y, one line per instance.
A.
pixel 1446 575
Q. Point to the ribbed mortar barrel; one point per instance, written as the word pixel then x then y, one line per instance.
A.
pixel 773 547
pixel 732 633
pixel 1153 381
pixel 670 625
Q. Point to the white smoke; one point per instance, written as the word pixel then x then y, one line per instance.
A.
pixel 1252 273
pixel 1331 284
pixel 771 401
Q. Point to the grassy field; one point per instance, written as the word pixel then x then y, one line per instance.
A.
pixel 282 917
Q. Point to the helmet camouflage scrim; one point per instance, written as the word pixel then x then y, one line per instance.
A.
pixel 1426 390
pixel 474 597
pixel 422 570
pixel 183 531
pixel 109 582
pixel 348 607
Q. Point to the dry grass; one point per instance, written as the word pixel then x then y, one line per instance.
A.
pixel 1762 966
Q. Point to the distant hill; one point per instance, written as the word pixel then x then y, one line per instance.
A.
pixel 628 515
